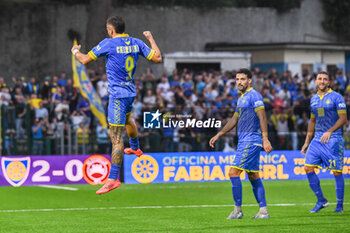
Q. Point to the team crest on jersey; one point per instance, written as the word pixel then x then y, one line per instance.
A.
pixel 96 169
pixel 328 101
pixel 15 170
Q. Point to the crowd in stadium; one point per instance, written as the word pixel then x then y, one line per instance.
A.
pixel 46 109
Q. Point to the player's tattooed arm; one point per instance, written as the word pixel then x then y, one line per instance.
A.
pixel 309 135
pixel 116 134
pixel 229 125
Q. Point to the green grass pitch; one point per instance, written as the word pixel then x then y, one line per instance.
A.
pixel 181 207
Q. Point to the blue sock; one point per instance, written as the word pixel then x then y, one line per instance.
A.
pixel 114 172
pixel 339 190
pixel 259 192
pixel 314 183
pixel 134 143
pixel 236 190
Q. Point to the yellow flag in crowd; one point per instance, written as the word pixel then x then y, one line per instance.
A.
pixel 81 80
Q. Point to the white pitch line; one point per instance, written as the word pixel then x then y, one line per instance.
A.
pixel 150 207
pixel 58 187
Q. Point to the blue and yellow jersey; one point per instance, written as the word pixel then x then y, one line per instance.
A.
pixel 122 53
pixel 325 109
pixel 248 125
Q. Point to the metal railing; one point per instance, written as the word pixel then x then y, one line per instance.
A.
pixel 65 140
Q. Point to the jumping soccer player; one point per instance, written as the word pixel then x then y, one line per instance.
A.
pixel 251 122
pixel 328 115
pixel 121 52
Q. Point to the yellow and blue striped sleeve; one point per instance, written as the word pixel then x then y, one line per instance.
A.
pixel 151 54
pixel 259 108
pixel 92 55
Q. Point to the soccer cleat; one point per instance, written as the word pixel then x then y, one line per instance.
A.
pixel 319 205
pixel 236 213
pixel 261 214
pixel 109 186
pixel 338 210
pixel 130 151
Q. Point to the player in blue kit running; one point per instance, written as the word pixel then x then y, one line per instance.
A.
pixel 121 52
pixel 328 115
pixel 251 122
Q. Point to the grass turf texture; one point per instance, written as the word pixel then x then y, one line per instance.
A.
pixel 184 216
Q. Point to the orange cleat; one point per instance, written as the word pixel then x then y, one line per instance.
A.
pixel 109 186
pixel 130 151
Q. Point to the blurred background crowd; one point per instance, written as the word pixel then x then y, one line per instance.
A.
pixel 50 116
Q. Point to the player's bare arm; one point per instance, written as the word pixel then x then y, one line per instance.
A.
pixel 340 122
pixel 82 58
pixel 157 57
pixel 116 134
pixel 263 126
pixel 309 135
pixel 228 127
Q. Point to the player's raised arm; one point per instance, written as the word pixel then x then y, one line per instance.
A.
pixel 157 57
pixel 310 133
pixel 83 58
pixel 263 126
pixel 229 125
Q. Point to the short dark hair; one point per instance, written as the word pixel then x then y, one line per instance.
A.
pixel 246 72
pixel 323 72
pixel 118 23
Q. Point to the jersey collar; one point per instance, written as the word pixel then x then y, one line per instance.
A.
pixel 121 35
pixel 247 91
pixel 321 96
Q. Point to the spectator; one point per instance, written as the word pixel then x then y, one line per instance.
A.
pixel 20 111
pixel 149 100
pixel 38 136
pixel 46 89
pixel 2 83
pixel 84 105
pixel 5 97
pixel 54 84
pixel 62 81
pixel 41 112
pixel 62 110
pixel 102 86
pixel 187 85
pixel 32 87
pixel 102 139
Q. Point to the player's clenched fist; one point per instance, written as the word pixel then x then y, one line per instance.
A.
pixel 75 48
pixel 147 34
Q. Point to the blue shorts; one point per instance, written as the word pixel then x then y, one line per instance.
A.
pixel 118 109
pixel 329 155
pixel 247 157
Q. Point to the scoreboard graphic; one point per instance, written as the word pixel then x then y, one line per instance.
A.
pixel 57 169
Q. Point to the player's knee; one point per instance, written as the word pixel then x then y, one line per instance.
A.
pixel 233 172
pixel 309 169
pixel 253 175
pixel 335 173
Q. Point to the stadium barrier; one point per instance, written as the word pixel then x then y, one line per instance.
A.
pixel 150 168
pixel 214 166
pixel 52 170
